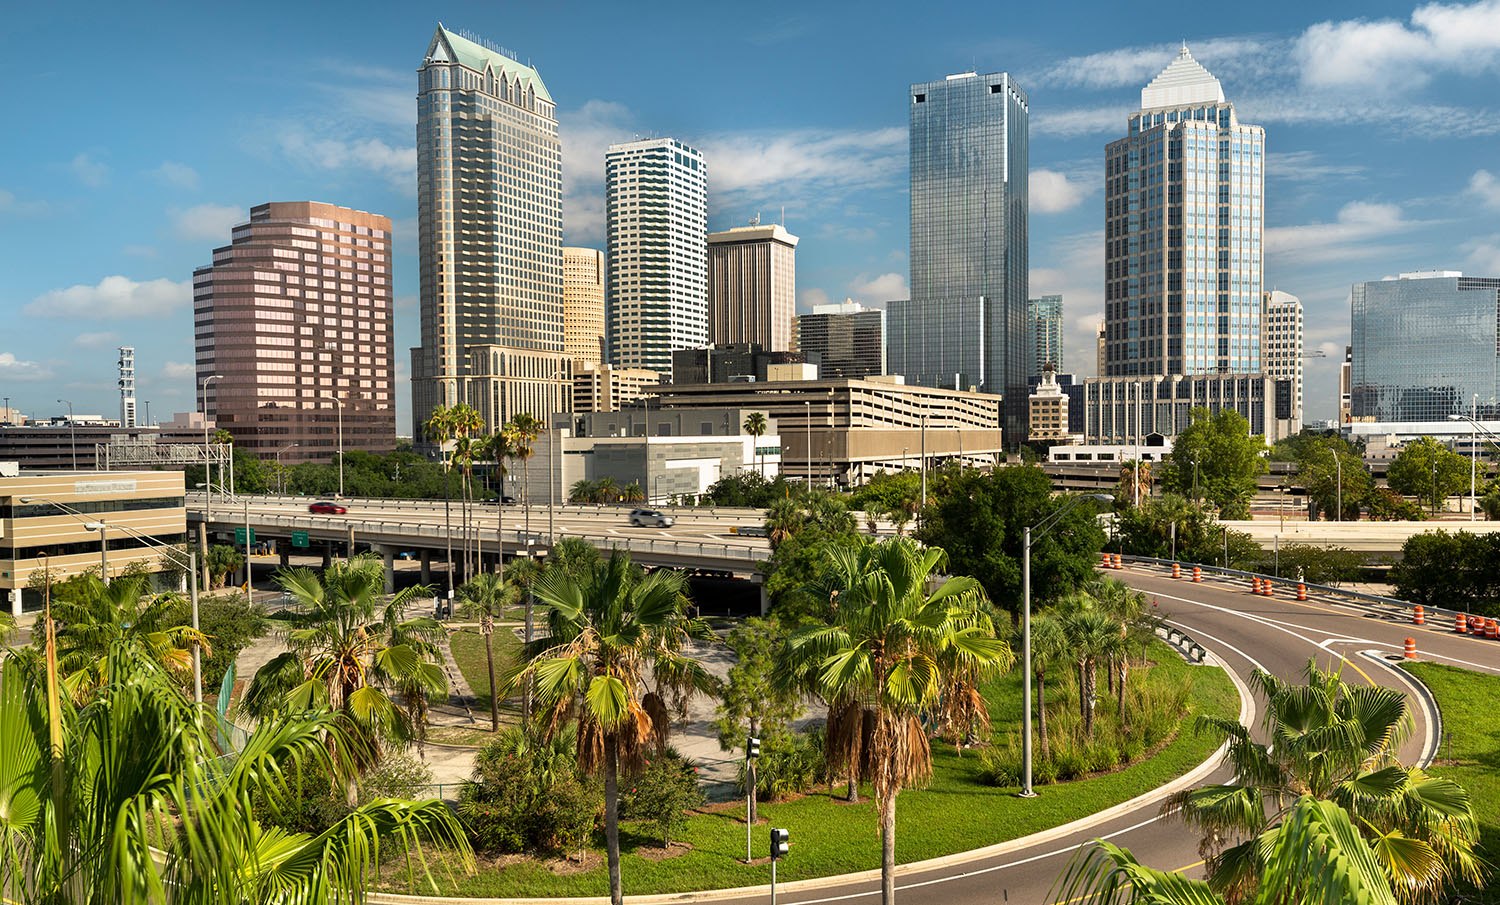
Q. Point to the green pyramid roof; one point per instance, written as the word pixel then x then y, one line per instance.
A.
pixel 476 57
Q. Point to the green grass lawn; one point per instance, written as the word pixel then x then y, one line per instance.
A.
pixel 468 653
pixel 953 813
pixel 1470 755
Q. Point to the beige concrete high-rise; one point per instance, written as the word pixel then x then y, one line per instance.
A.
pixel 489 236
pixel 583 303
pixel 752 286
pixel 1281 346
pixel 296 314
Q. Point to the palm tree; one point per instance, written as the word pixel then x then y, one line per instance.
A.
pixel 486 597
pixel 892 645
pixel 755 426
pixel 124 798
pixel 439 428
pixel 1314 855
pixel 348 653
pixel 632 493
pixel 1049 647
pixel 606 490
pixel 1092 636
pixel 1335 742
pixel 526 431
pixel 97 615
pixel 582 491
pixel 610 631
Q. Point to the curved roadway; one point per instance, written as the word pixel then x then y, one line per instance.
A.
pixel 1244 632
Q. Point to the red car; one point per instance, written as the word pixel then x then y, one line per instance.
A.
pixel 323 507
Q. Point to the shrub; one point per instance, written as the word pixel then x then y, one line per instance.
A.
pixel 1001 766
pixel 663 794
pixel 789 764
pixel 318 804
pixel 527 795
pixel 230 624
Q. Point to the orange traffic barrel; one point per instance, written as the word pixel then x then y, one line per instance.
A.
pixel 1461 624
pixel 1492 629
pixel 1197 574
pixel 1118 564
pixel 1301 591
pixel 1411 649
pixel 1268 587
pixel 1418 615
pixel 1105 562
pixel 1476 626
pixel 1255 585
pixel 1176 570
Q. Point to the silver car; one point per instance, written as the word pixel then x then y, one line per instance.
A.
pixel 650 518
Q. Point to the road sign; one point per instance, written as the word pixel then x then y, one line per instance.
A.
pixel 299 538
pixel 239 536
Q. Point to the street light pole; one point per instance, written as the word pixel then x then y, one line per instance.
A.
pixel 340 404
pixel 280 477
pixel 72 433
pixel 1041 527
pixel 1339 470
pixel 807 408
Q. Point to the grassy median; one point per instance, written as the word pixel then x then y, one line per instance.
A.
pixel 954 813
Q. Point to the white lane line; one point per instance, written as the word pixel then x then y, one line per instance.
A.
pixel 1268 623
pixel 1432 730
pixel 1219 641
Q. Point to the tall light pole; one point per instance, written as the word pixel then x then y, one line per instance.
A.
pixel 1338 466
pixel 147 423
pixel 340 404
pixel 807 409
pixel 922 504
pixel 72 432
pixel 280 477
pixel 1041 529
pixel 208 477
pixel 1476 428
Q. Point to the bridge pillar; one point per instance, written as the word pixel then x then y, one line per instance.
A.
pixel 327 553
pixel 285 549
pixel 426 566
pixel 350 549
pixel 15 602
pixel 388 554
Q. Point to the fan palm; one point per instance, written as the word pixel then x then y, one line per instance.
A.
pixel 892 646
pixel 1337 742
pixel 122 799
pixel 610 630
pixel 1314 856
pixel 756 426
pixel 349 653
pixel 1049 648
pixel 439 428
pixel 1092 636
pixel 526 430
pixel 485 596
pixel 96 615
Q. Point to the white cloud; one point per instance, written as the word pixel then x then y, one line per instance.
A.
pixel 1073 266
pixel 89 171
pixel 1135 66
pixel 177 175
pixel 1355 234
pixel 211 222
pixel 12 368
pixel 397 163
pixel 114 298
pixel 1389 55
pixel 1052 192
pixel 587 133
pixel 101 340
pixel 140 251
pixel 883 288
pixel 1062 122
pixel 807 298
pixel 1483 256
pixel 176 370
pixel 9 204
pixel 1486 188
pixel 1308 166
pixel 373 93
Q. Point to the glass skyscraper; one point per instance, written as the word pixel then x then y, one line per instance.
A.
pixel 1425 346
pixel 965 323
pixel 1044 334
pixel 1184 198
pixel 489 224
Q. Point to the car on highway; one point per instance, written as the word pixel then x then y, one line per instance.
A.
pixel 650 518
pixel 324 507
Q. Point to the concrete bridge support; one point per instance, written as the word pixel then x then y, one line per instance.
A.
pixel 426 566
pixel 388 554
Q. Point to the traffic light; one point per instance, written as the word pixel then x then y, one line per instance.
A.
pixel 752 747
pixel 779 843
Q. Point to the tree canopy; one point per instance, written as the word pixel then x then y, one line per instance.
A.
pixel 1228 459
pixel 1427 469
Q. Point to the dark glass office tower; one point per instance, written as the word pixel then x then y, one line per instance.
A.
pixel 965 323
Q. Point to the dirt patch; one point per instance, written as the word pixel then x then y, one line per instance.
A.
pixel 655 853
pixel 562 866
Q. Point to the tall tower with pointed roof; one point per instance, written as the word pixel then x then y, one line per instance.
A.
pixel 489 212
pixel 1183 226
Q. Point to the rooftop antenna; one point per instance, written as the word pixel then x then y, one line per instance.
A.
pixel 755 220
pixel 783 215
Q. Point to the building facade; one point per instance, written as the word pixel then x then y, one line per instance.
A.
pixel 296 318
pixel 1346 390
pixel 599 387
pixel 1044 334
pixel 1184 203
pixel 752 286
pixel 1281 346
pixel 1425 346
pixel 729 364
pixel 964 325
pixel 848 339
pixel 583 303
pixel 656 220
pixel 46 517
pixel 1131 409
pixel 489 236
pixel 126 365
pixel 1047 414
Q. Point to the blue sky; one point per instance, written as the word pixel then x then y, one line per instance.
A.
pixel 139 133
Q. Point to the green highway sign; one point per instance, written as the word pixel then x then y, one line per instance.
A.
pixel 239 535
pixel 299 538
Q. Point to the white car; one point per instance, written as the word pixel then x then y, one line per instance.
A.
pixel 650 518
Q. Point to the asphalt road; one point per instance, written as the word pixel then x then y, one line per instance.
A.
pixel 1246 632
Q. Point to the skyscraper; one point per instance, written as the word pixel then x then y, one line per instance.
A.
pixel 127 386
pixel 1425 346
pixel 1281 346
pixel 965 323
pixel 296 314
pixel 752 286
pixel 1183 224
pixel 849 339
pixel 583 303
pixel 489 212
pixel 1044 334
pixel 656 217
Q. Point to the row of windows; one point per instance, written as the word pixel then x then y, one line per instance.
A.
pixel 88 507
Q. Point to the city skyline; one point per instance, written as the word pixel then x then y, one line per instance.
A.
pixel 142 190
